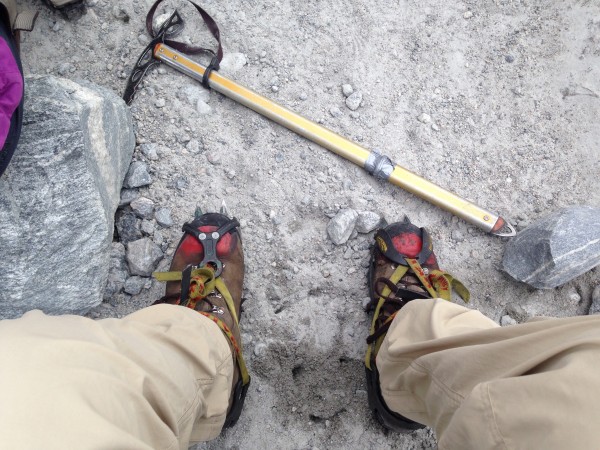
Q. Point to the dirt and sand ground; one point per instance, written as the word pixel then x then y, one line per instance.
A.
pixel 511 94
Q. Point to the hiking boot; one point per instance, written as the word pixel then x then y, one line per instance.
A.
pixel 403 268
pixel 207 275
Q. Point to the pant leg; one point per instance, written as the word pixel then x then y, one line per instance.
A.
pixel 480 386
pixel 156 379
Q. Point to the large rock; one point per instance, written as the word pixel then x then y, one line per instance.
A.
pixel 555 249
pixel 59 195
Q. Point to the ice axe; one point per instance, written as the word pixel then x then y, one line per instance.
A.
pixel 163 49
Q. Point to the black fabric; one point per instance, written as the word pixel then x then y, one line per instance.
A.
pixel 12 139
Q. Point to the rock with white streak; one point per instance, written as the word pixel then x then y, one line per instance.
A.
pixel 555 249
pixel 59 195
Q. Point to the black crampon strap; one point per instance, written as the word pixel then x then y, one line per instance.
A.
pixel 169 29
pixel 190 49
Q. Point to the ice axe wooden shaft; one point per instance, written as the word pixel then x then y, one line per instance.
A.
pixel 378 165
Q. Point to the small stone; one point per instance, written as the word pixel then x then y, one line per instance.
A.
pixel 127 196
pixel 424 118
pixel 555 249
pixel 335 112
pixel 160 103
pixel 507 320
pixel 143 207
pixel 232 62
pixel 347 90
pixel 147 227
pixel 191 93
pixel 143 39
pixel 435 127
pixel 163 217
pixel 341 226
pixel 134 285
pixel 203 108
pixel 303 96
pixel 142 257
pixel 260 349
pixel 150 151
pixel 517 312
pixel 120 14
pixel 595 307
pixel 468 14
pixel 457 236
pixel 137 175
pixel 193 147
pixel 509 58
pixel 214 158
pixel 574 297
pixel 127 227
pixel 180 182
pixel 367 221
pixel 354 100
pixel 159 20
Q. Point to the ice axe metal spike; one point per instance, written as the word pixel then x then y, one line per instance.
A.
pixel 373 162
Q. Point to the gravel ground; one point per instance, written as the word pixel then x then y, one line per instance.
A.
pixel 497 101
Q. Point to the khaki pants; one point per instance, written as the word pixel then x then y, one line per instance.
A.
pixel 161 377
pixel 156 379
pixel 481 386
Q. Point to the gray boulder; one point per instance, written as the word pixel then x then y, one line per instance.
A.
pixel 341 226
pixel 555 249
pixel 59 195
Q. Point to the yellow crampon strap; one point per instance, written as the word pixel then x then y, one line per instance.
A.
pixel 203 283
pixel 374 347
pixel 439 284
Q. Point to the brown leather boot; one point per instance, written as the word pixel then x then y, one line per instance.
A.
pixel 207 275
pixel 403 268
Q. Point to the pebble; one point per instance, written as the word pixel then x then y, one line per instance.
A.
pixel 506 320
pixel 181 182
pixel 160 103
pixel 64 69
pixel 143 207
pixel 509 58
pixel 574 297
pixel 134 285
pixel 143 39
pixel 150 151
pixel 142 257
pixel 202 107
pixel 127 196
pixel 354 100
pixel 120 14
pixel 260 349
pixel 147 227
pixel 233 62
pixel 193 146
pixel 341 226
pixel 191 93
pixel 347 90
pixel 458 236
pixel 335 112
pixel 595 308
pixel 367 221
pixel 435 127
pixel 163 217
pixel 127 227
pixel 214 158
pixel 303 96
pixel 137 175
pixel 468 14
pixel 275 88
pixel 517 312
pixel 424 118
